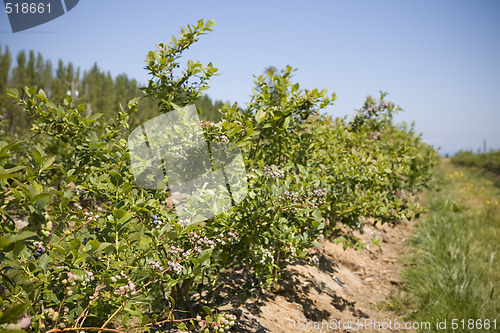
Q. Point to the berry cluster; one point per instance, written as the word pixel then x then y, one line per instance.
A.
pixel 319 192
pixel 225 322
pixel 306 100
pixel 222 138
pixel 292 250
pixel 128 288
pixel 89 276
pixel 371 108
pixel 209 124
pixel 317 197
pixel 270 173
pixel 174 249
pixel 175 266
pixel 198 244
pixel 89 217
pixel 76 191
pixel 314 200
pixel 215 130
pixel 267 256
pixel 71 280
pixel 288 196
pixel 48 316
pixel 375 135
pixel 40 249
pixel 201 243
pixel 156 221
pixel 180 154
pixel 262 255
pixel 47 227
pixel 155 265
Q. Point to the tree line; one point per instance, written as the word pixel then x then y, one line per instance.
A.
pixel 96 89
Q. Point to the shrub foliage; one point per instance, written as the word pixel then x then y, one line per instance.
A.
pixel 489 161
pixel 82 246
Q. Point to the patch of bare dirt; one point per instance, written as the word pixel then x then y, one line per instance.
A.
pixel 348 287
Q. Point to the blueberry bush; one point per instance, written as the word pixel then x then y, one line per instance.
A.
pixel 83 248
pixel 489 161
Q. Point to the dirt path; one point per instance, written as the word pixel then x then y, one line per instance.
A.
pixel 345 287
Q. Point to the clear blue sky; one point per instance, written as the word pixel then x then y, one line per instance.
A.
pixel 439 60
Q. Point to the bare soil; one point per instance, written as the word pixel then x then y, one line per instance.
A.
pixel 347 286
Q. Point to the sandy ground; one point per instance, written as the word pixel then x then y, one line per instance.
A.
pixel 347 288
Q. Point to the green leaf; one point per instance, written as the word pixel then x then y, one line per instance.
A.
pixel 94 117
pixel 103 246
pixel 260 116
pixel 302 254
pixel 94 244
pixel 207 310
pixel 302 169
pixel 125 217
pixel 40 197
pixel 12 93
pixel 42 93
pixel 145 320
pixel 118 213
pixel 4 176
pixel 93 139
pixel 44 261
pixel 286 123
pixel 3 243
pixel 20 236
pixel 317 215
pixel 37 155
pixel 210 23
pixel 47 163
pixel 12 313
pixel 204 255
pixel 15 169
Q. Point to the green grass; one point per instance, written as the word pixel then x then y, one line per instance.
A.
pixel 454 269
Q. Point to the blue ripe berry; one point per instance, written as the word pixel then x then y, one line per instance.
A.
pixel 82 192
pixel 154 217
pixel 42 250
pixel 75 190
pixel 37 254
pixel 156 222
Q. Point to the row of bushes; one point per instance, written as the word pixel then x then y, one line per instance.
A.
pixel 98 250
pixel 489 161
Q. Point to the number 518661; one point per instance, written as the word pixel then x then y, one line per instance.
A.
pixel 27 8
